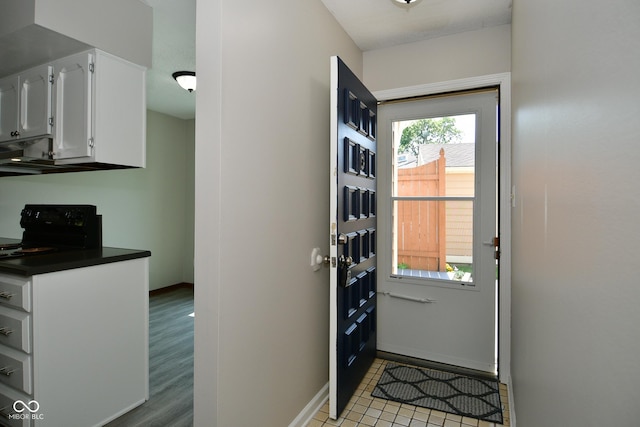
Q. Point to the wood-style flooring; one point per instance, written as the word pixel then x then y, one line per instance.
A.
pixel 170 401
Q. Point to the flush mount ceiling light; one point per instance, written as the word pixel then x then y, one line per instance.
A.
pixel 405 3
pixel 186 79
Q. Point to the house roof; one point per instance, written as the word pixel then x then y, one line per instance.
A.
pixel 457 155
pixel 406 160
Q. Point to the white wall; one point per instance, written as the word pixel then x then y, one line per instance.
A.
pixel 43 30
pixel 121 27
pixel 262 189
pixel 458 56
pixel 16 15
pixel 575 226
pixel 189 204
pixel 141 208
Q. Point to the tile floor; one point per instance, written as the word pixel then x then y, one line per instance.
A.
pixel 364 410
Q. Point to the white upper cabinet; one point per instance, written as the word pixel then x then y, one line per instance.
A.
pixel 73 89
pixel 100 110
pixel 35 102
pixel 92 114
pixel 25 104
pixel 9 88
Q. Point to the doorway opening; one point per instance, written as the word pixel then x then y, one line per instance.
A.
pixel 439 203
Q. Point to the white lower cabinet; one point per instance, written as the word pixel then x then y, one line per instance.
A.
pixel 74 345
pixel 8 416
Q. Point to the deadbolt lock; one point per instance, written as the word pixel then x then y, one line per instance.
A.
pixel 344 272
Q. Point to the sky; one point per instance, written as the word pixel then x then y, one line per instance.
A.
pixel 467 125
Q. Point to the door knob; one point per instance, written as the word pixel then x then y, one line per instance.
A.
pixel 318 260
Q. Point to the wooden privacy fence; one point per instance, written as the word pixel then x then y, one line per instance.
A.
pixel 421 225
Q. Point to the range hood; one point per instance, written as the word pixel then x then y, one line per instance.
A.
pixel 31 158
pixel 24 157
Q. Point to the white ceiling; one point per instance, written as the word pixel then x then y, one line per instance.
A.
pixel 174 49
pixel 375 24
pixel 372 24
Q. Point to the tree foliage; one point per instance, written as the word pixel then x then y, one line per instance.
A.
pixel 429 131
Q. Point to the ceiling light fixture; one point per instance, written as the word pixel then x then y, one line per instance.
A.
pixel 186 79
pixel 405 3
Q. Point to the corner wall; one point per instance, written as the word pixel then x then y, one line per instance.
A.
pixel 141 208
pixel 575 168
pixel 262 192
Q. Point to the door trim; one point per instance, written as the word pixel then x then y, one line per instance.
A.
pixel 503 81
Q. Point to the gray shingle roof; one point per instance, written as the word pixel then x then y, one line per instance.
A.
pixel 457 155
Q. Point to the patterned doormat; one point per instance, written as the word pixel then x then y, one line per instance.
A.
pixel 443 391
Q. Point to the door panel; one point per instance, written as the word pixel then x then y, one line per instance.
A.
pixel 353 235
pixel 73 88
pixel 439 208
pixel 8 108
pixel 35 102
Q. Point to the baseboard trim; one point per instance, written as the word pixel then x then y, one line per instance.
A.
pixel 312 407
pixel 183 285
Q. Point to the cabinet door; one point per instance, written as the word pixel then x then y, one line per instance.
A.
pixel 8 108
pixel 35 102
pixel 73 92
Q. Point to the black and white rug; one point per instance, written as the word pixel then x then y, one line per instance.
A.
pixel 443 391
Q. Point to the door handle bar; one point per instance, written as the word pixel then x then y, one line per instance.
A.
pixel 409 298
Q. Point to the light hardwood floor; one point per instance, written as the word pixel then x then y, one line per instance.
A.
pixel 170 363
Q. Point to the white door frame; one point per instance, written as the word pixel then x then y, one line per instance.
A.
pixel 503 80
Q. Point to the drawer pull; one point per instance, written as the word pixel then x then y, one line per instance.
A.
pixel 5 295
pixel 7 371
pixel 6 331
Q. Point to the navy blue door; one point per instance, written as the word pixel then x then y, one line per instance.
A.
pixel 353 234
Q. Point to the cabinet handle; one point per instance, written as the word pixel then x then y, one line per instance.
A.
pixel 5 295
pixel 7 371
pixel 6 331
pixel 15 133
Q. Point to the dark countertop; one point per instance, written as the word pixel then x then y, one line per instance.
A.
pixel 66 260
pixel 5 240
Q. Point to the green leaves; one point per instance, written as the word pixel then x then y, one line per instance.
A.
pixel 441 130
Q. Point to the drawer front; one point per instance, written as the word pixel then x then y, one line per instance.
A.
pixel 15 329
pixel 15 369
pixel 15 292
pixel 8 415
